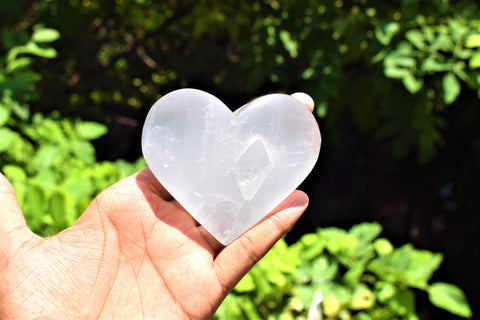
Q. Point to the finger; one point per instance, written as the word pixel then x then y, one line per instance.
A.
pixel 305 99
pixel 302 97
pixel 11 216
pixel 13 228
pixel 237 258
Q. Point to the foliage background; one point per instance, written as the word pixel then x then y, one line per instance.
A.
pixel 396 85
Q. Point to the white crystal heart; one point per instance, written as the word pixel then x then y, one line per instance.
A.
pixel 228 170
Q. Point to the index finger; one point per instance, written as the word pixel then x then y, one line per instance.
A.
pixel 301 96
pixel 305 99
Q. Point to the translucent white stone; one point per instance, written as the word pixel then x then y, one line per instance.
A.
pixel 228 170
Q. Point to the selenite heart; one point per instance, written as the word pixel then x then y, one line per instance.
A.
pixel 229 170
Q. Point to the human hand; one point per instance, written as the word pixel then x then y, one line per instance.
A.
pixel 135 253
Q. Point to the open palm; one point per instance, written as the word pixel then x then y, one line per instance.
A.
pixel 134 254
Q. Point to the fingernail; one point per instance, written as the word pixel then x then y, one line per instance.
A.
pixel 299 200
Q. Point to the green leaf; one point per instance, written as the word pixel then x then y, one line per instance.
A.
pixel 383 246
pixel 449 297
pixel 451 88
pixel 288 43
pixel 7 137
pixel 403 302
pixel 58 209
pixel 246 284
pixel 14 172
pixel 339 292
pixel 362 298
pixel 339 241
pixel 473 41
pixel 353 275
pixel 412 84
pixel 45 35
pixel 18 64
pixel 421 266
pixel 35 49
pixel 4 115
pixel 416 38
pixel 366 232
pixel 84 151
pixel 90 130
pixel 474 61
pixel 33 205
pixel 386 31
pixel 407 265
pixel 433 64
pixel 394 72
pixel 323 269
pixel 385 290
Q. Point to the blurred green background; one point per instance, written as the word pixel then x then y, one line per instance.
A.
pixel 396 86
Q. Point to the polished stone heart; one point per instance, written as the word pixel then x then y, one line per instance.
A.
pixel 229 170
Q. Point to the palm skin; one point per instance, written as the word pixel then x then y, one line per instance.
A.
pixel 134 254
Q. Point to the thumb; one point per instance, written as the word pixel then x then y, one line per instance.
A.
pixel 13 228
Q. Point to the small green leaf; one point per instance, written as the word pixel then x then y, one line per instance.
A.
pixel 14 173
pixel 331 289
pixel 473 41
pixel 383 246
pixel 4 115
pixel 35 49
pixel 386 31
pixel 412 84
pixel 6 139
pixel 90 130
pixel 353 275
pixel 366 232
pixel 416 38
pixel 57 208
pixel 18 64
pixel 362 298
pixel 403 302
pixel 385 290
pixel 449 297
pixel 84 151
pixel 288 43
pixel 45 35
pixel 246 284
pixel 474 61
pixel 33 205
pixel 394 72
pixel 324 269
pixel 451 88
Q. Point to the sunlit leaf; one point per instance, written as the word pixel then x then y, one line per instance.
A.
pixel 449 297
pixel 473 41
pixel 4 115
pixel 246 284
pixel 386 31
pixel 6 139
pixel 366 232
pixel 451 88
pixel 57 208
pixel 45 35
pixel 289 44
pixel 416 37
pixel 474 61
pixel 412 84
pixel 90 130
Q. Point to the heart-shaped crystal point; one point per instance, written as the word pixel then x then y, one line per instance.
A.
pixel 229 170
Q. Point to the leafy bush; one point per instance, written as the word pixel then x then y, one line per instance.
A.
pixel 395 66
pixel 48 159
pixel 338 274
